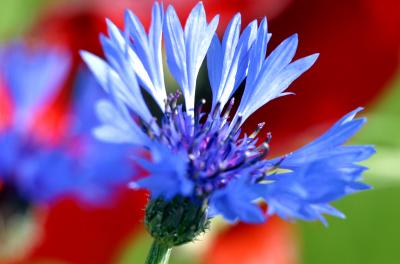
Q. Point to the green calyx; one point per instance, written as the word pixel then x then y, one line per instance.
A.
pixel 175 222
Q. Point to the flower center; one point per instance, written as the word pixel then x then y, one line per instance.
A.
pixel 217 152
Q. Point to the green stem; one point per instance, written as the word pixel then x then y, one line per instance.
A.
pixel 158 254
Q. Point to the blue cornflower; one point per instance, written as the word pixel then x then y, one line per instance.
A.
pixel 35 169
pixel 203 157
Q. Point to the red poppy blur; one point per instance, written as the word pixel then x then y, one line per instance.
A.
pixel 250 9
pixel 270 243
pixel 359 46
pixel 5 106
pixel 81 235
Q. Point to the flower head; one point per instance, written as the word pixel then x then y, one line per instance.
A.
pixel 33 167
pixel 204 157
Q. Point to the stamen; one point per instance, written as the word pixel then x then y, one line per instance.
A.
pixel 258 129
pixel 276 165
pixel 167 106
pixel 145 126
pixel 269 137
pixel 272 169
pixel 216 111
pixel 175 98
pixel 236 126
pixel 229 108
pixel 216 154
pixel 236 165
pixel 221 183
pixel 148 126
pixel 198 108
pixel 264 147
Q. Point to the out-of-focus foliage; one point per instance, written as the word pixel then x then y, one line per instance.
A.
pixel 17 15
pixel 370 235
pixel 384 127
pixel 136 250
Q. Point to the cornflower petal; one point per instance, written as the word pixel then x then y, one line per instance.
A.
pixel 321 172
pixel 329 145
pixel 9 158
pixel 167 173
pixel 186 49
pixel 237 202
pixel 306 192
pixel 227 63
pixel 258 52
pixel 148 50
pixel 111 82
pixel 116 126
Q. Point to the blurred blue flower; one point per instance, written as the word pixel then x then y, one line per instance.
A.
pixel 204 156
pixel 39 170
pixel 33 78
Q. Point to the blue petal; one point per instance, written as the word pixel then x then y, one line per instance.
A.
pixel 117 126
pixel 321 172
pixel 103 167
pixel 329 145
pixel 111 82
pixel 148 50
pixel 11 147
pixel 128 65
pixel 236 202
pixel 167 173
pixel 258 52
pixel 186 49
pixel 245 43
pixel 214 64
pixel 227 64
pixel 280 57
pixel 306 192
pixel 86 93
pixel 175 48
